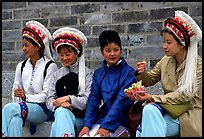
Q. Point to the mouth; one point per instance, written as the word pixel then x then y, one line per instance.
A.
pixel 112 59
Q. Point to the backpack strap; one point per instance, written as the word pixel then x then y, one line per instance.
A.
pixel 23 65
pixel 46 66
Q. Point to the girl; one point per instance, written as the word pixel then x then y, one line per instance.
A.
pixel 109 119
pixel 30 85
pixel 70 85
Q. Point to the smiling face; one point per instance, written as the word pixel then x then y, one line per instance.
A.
pixel 67 55
pixel 111 53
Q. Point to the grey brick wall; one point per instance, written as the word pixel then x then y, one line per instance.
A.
pixel 138 23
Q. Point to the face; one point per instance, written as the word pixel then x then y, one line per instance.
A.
pixel 29 49
pixel 112 53
pixel 67 55
pixel 171 47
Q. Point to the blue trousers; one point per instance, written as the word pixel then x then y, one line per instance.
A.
pixel 65 124
pixel 12 121
pixel 154 124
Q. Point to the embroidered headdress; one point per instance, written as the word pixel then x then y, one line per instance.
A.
pixel 77 40
pixel 189 34
pixel 38 33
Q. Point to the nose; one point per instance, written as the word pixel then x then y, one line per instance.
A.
pixel 65 57
pixel 112 53
pixel 23 48
pixel 164 45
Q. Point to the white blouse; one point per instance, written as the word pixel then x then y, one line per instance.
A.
pixel 32 80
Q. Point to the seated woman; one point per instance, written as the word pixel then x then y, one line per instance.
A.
pixel 180 73
pixel 30 83
pixel 70 85
pixel 109 81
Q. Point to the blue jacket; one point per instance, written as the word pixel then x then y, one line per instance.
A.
pixel 108 86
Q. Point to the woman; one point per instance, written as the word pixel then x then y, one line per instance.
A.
pixel 109 118
pixel 70 85
pixel 30 85
pixel 180 73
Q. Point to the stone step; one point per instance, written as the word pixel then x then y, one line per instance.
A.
pixel 42 130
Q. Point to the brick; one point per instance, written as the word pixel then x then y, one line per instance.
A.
pixel 38 4
pixel 85 29
pixel 96 19
pixel 136 40
pixel 11 25
pixel 8 46
pixel 63 21
pixel 93 54
pixel 118 6
pixel 98 29
pixel 129 17
pixel 196 10
pixel 55 11
pixel 9 66
pixel 6 15
pixel 7 83
pixel 85 8
pixel 92 43
pixel 26 14
pixel 11 36
pixel 146 53
pixel 13 56
pixel 145 27
pixel 155 39
pixel 164 13
pixel 13 5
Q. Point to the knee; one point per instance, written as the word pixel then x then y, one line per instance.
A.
pixel 149 109
pixel 63 113
pixel 61 110
pixel 11 108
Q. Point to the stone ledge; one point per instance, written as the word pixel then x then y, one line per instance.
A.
pixel 42 130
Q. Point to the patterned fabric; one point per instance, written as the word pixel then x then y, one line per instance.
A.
pixel 70 36
pixel 67 38
pixel 33 34
pixel 182 31
pixel 40 34
pixel 24 111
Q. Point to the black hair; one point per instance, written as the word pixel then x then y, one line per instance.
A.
pixel 109 36
pixel 41 50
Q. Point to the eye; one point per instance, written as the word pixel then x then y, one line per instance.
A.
pixel 116 49
pixel 107 50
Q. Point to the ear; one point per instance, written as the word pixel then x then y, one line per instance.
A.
pixel 182 46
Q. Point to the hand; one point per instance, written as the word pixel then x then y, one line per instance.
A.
pixel 84 131
pixel 18 92
pixel 102 132
pixel 61 100
pixel 144 97
pixel 129 94
pixel 140 67
pixel 66 105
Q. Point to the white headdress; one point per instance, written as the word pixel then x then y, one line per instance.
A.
pixel 189 33
pixel 37 32
pixel 78 41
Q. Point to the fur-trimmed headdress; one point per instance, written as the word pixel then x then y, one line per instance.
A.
pixel 189 34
